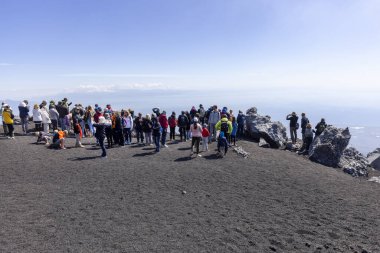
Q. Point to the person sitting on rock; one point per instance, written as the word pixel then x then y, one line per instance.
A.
pixel 293 126
pixel 307 140
pixel 320 127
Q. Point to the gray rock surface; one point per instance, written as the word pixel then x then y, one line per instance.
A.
pixel 354 163
pixel 327 148
pixel 263 143
pixel 374 159
pixel 273 132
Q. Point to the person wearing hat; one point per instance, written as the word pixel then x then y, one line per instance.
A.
pixel 8 120
pixel 293 118
pixel 24 115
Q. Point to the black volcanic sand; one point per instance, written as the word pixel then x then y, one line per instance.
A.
pixel 138 201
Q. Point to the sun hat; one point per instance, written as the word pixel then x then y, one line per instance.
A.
pixel 102 120
pixel 196 120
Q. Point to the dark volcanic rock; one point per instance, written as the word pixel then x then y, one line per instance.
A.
pixel 374 159
pixel 354 163
pixel 327 149
pixel 273 132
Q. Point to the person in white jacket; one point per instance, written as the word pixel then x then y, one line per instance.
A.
pixel 37 118
pixel 45 119
pixel 128 127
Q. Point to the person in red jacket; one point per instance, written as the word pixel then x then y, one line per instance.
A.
pixel 172 125
pixel 164 125
pixel 205 137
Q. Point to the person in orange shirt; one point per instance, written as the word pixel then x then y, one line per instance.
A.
pixel 59 138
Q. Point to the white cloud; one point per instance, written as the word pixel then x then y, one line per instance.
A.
pixel 96 88
pixel 5 64
pixel 116 75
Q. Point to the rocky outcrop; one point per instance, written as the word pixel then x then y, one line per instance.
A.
pixel 263 143
pixel 327 148
pixel 273 132
pixel 354 163
pixel 374 159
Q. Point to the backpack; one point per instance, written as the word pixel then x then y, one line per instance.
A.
pixel 321 128
pixel 182 121
pixel 224 126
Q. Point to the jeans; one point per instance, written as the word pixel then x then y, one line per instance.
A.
pixel 24 124
pixel 91 126
pixel 293 134
pixel 212 131
pixel 62 124
pixel 10 130
pixel 101 143
pixel 156 139
pixel 195 141
pixel 140 135
pixel 163 136
pixel 240 132
pixel 172 133
pixel 128 135
pixel 182 133
pixel 205 143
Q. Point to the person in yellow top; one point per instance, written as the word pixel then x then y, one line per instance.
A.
pixel 224 125
pixel 8 120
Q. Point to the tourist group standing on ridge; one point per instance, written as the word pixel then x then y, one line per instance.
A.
pixel 54 122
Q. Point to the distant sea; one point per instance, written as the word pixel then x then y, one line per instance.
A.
pixel 363 125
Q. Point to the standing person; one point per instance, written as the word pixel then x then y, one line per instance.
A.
pixel 202 114
pixel 225 126
pixel 8 120
pixel 108 109
pixel 37 118
pixel 54 117
pixel 45 119
pixel 101 133
pixel 128 127
pixel 304 122
pixel 188 133
pixel 182 124
pixel 156 131
pixel 24 115
pixel 139 128
pixel 307 141
pixel 78 131
pixel 5 128
pixel 164 125
pixel 196 133
pixel 235 126
pixel 241 123
pixel 293 118
pixel 108 129
pixel 212 120
pixel 98 113
pixel 172 124
pixel 63 111
pixel 147 129
pixel 320 127
pixel 118 129
pixel 205 137
pixel 192 113
pixel 88 118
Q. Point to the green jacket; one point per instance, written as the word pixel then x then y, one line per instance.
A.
pixel 218 125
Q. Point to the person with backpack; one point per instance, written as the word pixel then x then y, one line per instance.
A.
pixel 156 131
pixel 172 125
pixel 222 142
pixel 320 127
pixel 182 124
pixel 304 122
pixel 8 121
pixel 293 118
pixel 138 122
pixel 5 128
pixel 24 115
pixel 225 126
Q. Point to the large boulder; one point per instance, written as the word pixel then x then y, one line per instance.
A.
pixel 328 147
pixel 374 159
pixel 273 132
pixel 354 163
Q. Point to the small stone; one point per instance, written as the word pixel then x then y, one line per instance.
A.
pixel 272 248
pixel 184 192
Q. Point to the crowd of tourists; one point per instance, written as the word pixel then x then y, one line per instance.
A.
pixel 54 122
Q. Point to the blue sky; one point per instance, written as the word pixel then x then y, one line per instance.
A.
pixel 304 48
